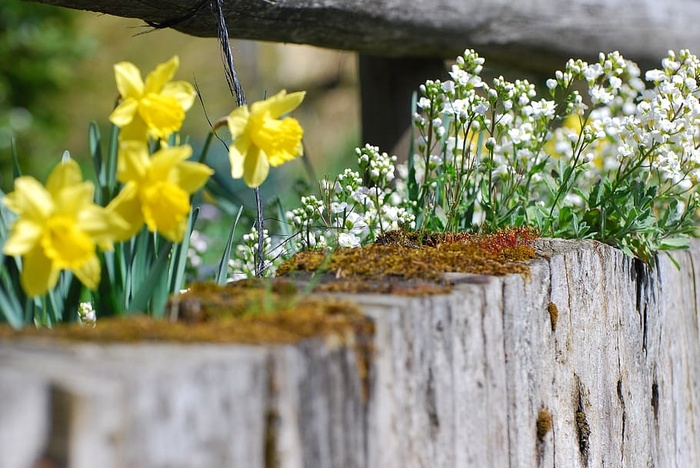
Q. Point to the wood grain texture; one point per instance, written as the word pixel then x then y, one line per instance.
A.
pixel 530 33
pixel 478 377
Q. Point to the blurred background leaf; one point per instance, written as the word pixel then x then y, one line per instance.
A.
pixel 39 51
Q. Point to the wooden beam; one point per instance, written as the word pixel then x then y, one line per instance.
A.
pixel 539 35
pixel 386 86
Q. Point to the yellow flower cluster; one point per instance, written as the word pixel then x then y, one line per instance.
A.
pixel 262 139
pixel 58 227
pixel 157 189
pixel 155 108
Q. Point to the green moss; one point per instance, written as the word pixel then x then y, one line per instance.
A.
pixel 414 262
pixel 247 312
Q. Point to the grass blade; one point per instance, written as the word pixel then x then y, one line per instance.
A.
pixel 178 262
pixel 151 281
pixel 221 274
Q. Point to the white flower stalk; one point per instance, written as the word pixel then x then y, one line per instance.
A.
pixel 492 155
pixel 242 265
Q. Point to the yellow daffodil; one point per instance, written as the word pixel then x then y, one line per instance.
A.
pixel 58 228
pixel 156 107
pixel 262 139
pixel 157 188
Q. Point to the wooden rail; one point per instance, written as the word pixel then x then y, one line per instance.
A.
pixel 402 42
pixel 530 33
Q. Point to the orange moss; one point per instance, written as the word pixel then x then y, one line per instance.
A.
pixel 553 314
pixel 420 257
pixel 544 424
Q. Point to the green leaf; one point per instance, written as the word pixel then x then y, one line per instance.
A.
pixel 673 243
pixel 148 290
pixel 178 262
pixel 111 167
pixel 413 189
pixel 673 260
pixel 222 271
pixel 94 145
pixel 16 170
pixel 11 309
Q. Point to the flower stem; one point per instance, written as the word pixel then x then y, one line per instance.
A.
pixel 259 252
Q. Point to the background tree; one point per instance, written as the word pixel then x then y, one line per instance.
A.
pixel 39 51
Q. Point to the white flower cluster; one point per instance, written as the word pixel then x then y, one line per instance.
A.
pixel 378 166
pixel 495 148
pixel 600 162
pixel 199 243
pixel 351 212
pixel 307 220
pixel 242 265
pixel 654 127
pixel 666 125
pixel 86 314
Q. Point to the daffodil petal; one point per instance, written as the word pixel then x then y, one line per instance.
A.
pixel 71 200
pixel 136 130
pixel 574 122
pixel 165 210
pixel 281 140
pixel 256 168
pixel 164 161
pixel 279 104
pixel 29 199
pixel 38 273
pixel 24 236
pixel 238 121
pixel 163 114
pixel 124 113
pixel 182 91
pixel 192 175
pixel 237 154
pixel 66 174
pixel 101 224
pixel 127 206
pixel 89 272
pixel 129 81
pixel 133 161
pixel 65 244
pixel 163 73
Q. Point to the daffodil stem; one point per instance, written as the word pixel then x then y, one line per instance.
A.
pixel 259 252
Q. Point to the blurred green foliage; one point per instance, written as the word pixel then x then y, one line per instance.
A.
pixel 40 47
